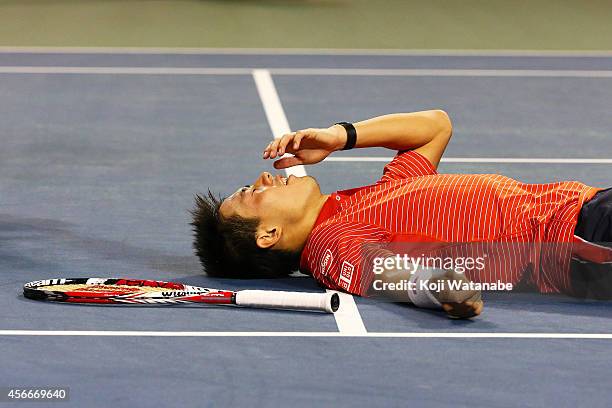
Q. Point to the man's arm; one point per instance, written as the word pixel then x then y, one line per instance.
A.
pixel 457 303
pixel 426 132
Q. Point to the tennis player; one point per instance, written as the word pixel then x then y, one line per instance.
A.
pixel 276 225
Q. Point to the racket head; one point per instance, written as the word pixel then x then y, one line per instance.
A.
pixel 122 291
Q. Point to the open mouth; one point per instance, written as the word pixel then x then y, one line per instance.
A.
pixel 279 180
pixel 284 181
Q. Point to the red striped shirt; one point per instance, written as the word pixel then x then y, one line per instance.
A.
pixel 412 202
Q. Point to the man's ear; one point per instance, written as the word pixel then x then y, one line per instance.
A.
pixel 268 236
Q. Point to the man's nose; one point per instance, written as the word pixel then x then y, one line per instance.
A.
pixel 264 179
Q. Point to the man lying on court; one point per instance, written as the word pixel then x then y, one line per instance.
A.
pixel 277 225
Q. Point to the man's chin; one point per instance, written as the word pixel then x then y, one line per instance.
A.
pixel 307 184
pixel 301 179
pixel 313 181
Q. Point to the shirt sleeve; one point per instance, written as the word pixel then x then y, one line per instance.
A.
pixel 340 255
pixel 405 164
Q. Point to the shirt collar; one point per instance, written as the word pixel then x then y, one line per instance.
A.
pixel 331 206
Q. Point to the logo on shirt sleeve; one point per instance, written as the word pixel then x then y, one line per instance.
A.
pixel 346 275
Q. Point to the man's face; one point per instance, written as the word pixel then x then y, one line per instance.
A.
pixel 273 199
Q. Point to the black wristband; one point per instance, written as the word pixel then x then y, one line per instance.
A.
pixel 351 135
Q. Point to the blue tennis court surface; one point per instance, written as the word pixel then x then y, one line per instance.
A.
pixel 101 155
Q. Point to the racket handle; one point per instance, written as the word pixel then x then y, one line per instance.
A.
pixel 327 302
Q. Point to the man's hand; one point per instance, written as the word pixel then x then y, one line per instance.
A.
pixel 458 304
pixel 308 146
pixel 463 310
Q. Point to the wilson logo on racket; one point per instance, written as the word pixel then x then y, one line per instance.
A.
pixel 192 293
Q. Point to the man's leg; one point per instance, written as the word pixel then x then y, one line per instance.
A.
pixel 595 219
pixel 589 279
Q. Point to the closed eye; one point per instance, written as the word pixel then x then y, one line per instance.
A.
pixel 244 189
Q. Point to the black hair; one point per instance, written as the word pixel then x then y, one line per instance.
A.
pixel 227 246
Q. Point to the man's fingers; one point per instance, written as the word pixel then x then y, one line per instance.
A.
pixel 288 143
pixel 479 307
pixel 284 141
pixel 266 152
pixel 298 139
pixel 463 310
pixel 274 148
pixel 287 162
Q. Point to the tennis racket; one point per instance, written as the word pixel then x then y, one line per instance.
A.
pixel 144 292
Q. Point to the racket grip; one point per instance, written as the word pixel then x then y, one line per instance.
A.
pixel 327 302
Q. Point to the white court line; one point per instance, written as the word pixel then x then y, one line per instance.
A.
pixel 307 51
pixel 123 70
pixel 519 73
pixel 547 73
pixel 420 335
pixel 481 160
pixel 347 317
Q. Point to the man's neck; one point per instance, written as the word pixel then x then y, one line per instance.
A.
pixel 298 235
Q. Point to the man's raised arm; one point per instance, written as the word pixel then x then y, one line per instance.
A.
pixel 426 132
